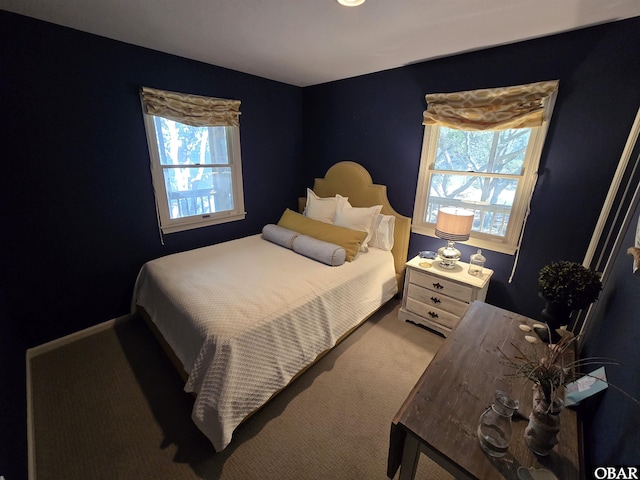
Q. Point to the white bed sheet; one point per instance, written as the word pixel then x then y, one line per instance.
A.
pixel 245 316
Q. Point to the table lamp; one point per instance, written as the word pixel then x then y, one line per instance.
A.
pixel 454 225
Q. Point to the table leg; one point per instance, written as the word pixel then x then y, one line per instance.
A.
pixel 410 455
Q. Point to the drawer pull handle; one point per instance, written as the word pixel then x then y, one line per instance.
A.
pixel 435 300
pixel 438 286
pixel 433 315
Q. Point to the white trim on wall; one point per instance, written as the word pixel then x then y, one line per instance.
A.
pixel 613 190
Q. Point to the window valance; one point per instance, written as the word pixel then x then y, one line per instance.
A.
pixel 500 108
pixel 194 110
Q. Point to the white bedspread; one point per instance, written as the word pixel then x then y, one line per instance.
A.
pixel 245 316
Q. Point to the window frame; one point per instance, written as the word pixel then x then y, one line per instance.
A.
pixel 166 223
pixel 510 243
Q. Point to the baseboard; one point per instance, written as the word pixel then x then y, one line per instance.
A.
pixel 44 348
pixel 72 337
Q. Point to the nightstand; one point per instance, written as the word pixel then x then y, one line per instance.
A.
pixel 436 297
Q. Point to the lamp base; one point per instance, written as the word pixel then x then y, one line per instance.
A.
pixel 449 256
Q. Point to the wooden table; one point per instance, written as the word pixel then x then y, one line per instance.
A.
pixel 440 415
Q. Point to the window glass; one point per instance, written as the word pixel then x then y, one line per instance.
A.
pixel 196 173
pixel 491 172
pixel 490 197
pixel 493 151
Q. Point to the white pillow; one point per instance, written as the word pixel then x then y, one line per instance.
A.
pixel 382 235
pixel 322 209
pixel 357 218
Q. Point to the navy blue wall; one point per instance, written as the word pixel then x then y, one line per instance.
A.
pixel 78 210
pixel 76 189
pixel 613 431
pixel 376 120
pixel 78 213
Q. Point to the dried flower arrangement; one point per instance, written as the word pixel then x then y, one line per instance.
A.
pixel 549 368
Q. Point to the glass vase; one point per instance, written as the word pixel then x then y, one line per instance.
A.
pixel 494 427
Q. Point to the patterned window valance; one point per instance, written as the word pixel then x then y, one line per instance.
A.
pixel 500 108
pixel 193 110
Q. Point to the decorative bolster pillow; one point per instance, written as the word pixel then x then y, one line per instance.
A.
pixel 325 252
pixel 278 235
pixel 350 240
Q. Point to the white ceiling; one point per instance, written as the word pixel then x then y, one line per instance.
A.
pixel 307 42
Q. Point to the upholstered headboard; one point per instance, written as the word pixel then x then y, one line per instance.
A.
pixel 352 180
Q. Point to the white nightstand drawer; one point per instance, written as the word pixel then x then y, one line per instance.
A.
pixel 436 297
pixel 441 285
pixel 437 300
pixel 432 313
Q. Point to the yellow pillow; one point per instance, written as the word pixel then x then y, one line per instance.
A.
pixel 350 240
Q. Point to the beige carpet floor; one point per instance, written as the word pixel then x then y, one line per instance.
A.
pixel 111 406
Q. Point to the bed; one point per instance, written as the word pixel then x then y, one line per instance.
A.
pixel 242 319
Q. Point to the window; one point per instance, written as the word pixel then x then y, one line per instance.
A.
pixel 195 162
pixel 472 160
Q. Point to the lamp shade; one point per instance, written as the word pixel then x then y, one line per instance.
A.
pixel 454 223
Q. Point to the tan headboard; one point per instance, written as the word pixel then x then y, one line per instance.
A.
pixel 352 180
